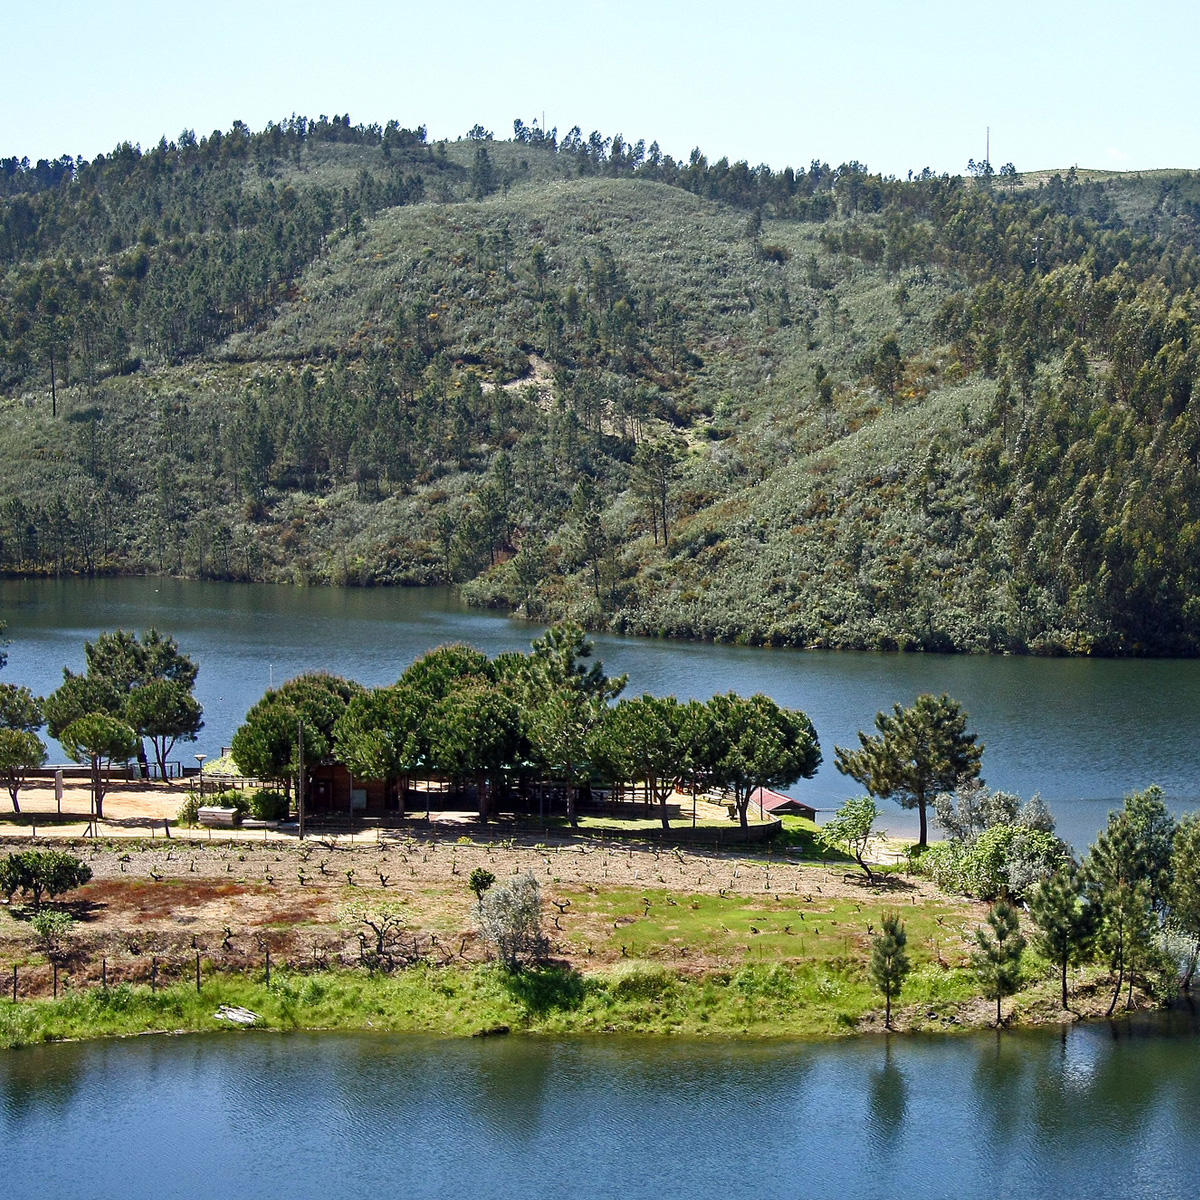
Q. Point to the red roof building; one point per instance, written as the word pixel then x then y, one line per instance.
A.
pixel 776 804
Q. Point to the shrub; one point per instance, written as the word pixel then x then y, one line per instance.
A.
pixel 42 873
pixel 189 811
pixel 1005 860
pixel 268 805
pixel 481 879
pixel 640 981
pixel 52 933
pixel 510 917
pixel 232 798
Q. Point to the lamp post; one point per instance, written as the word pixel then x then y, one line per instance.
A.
pixel 200 759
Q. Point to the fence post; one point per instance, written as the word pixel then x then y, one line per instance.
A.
pixel 197 971
pixel 104 974
pixel 154 974
pixel 14 990
pixel 268 968
pixel 54 967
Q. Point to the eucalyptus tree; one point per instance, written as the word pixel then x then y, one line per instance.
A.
pixel 918 752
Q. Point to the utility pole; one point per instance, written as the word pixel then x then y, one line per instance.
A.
pixel 300 778
pixel 987 144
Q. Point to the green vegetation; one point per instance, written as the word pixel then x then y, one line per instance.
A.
pixel 1132 901
pixel 816 407
pixel 995 845
pixel 133 689
pixel 890 965
pixel 693 963
pixel 759 1001
pixel 997 957
pixel 919 752
pixel 849 831
pixel 41 875
pixel 501 725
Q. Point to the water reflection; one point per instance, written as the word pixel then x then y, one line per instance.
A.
pixel 36 1083
pixel 887 1098
pixel 1061 1113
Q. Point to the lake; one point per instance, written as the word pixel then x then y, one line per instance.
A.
pixel 1083 732
pixel 1086 1112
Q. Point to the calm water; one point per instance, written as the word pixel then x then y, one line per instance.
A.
pixel 1090 1112
pixel 1082 732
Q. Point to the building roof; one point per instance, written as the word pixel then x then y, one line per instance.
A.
pixel 777 802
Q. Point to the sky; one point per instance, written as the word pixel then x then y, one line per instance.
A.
pixel 896 86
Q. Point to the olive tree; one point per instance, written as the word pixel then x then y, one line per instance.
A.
pixel 42 874
pixel 510 918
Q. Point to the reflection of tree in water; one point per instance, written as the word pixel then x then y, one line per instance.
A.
pixel 887 1100
pixel 504 1083
pixel 998 1082
pixel 42 1079
pixel 416 1085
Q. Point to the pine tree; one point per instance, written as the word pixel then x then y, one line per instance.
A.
pixel 1066 922
pixel 889 961
pixel 997 960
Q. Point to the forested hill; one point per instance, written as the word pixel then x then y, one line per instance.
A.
pixel 815 407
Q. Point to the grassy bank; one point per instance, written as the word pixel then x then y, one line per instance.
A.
pixel 770 1000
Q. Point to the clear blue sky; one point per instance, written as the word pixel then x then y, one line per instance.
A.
pixel 895 85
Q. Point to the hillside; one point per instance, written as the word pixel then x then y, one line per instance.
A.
pixel 812 407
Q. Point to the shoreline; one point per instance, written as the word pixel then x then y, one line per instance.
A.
pixel 459 1003
pixel 748 943
pixel 894 646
